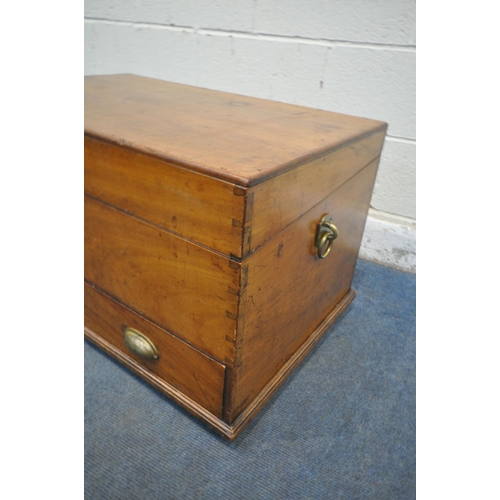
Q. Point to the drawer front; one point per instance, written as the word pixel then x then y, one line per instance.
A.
pixel 186 289
pixel 179 365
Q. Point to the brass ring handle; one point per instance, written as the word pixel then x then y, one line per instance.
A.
pixel 326 238
pixel 325 235
pixel 139 344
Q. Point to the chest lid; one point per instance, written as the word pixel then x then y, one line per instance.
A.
pixel 232 137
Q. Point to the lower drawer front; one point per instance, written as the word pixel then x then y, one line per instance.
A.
pixel 186 369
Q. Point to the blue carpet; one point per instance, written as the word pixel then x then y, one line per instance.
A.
pixel 342 426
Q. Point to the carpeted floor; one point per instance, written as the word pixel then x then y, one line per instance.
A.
pixel 341 427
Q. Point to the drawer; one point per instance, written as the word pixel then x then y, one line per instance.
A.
pixel 182 287
pixel 181 366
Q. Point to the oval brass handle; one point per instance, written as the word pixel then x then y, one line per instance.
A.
pixel 325 234
pixel 139 344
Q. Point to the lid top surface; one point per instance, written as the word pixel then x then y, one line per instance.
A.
pixel 239 139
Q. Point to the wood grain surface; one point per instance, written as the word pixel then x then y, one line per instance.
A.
pixel 186 289
pixel 238 424
pixel 231 137
pixel 201 208
pixel 280 201
pixel 184 368
pixel 289 290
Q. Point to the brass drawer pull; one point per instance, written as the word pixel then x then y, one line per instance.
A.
pixel 325 234
pixel 139 344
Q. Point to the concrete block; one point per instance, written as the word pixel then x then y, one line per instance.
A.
pixel 374 83
pixel 228 15
pixel 127 10
pixel 232 15
pixel 281 71
pixel 155 11
pixel 90 48
pixel 383 21
pixel 395 186
pixel 143 50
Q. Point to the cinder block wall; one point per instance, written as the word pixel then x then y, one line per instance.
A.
pixel 355 57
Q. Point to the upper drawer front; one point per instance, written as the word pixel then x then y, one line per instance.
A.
pixel 201 208
pixel 179 365
pixel 182 287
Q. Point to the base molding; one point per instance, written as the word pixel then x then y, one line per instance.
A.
pixel 219 426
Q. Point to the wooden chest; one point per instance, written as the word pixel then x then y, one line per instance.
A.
pixel 221 236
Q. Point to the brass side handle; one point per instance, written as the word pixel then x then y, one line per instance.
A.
pixel 325 234
pixel 139 344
